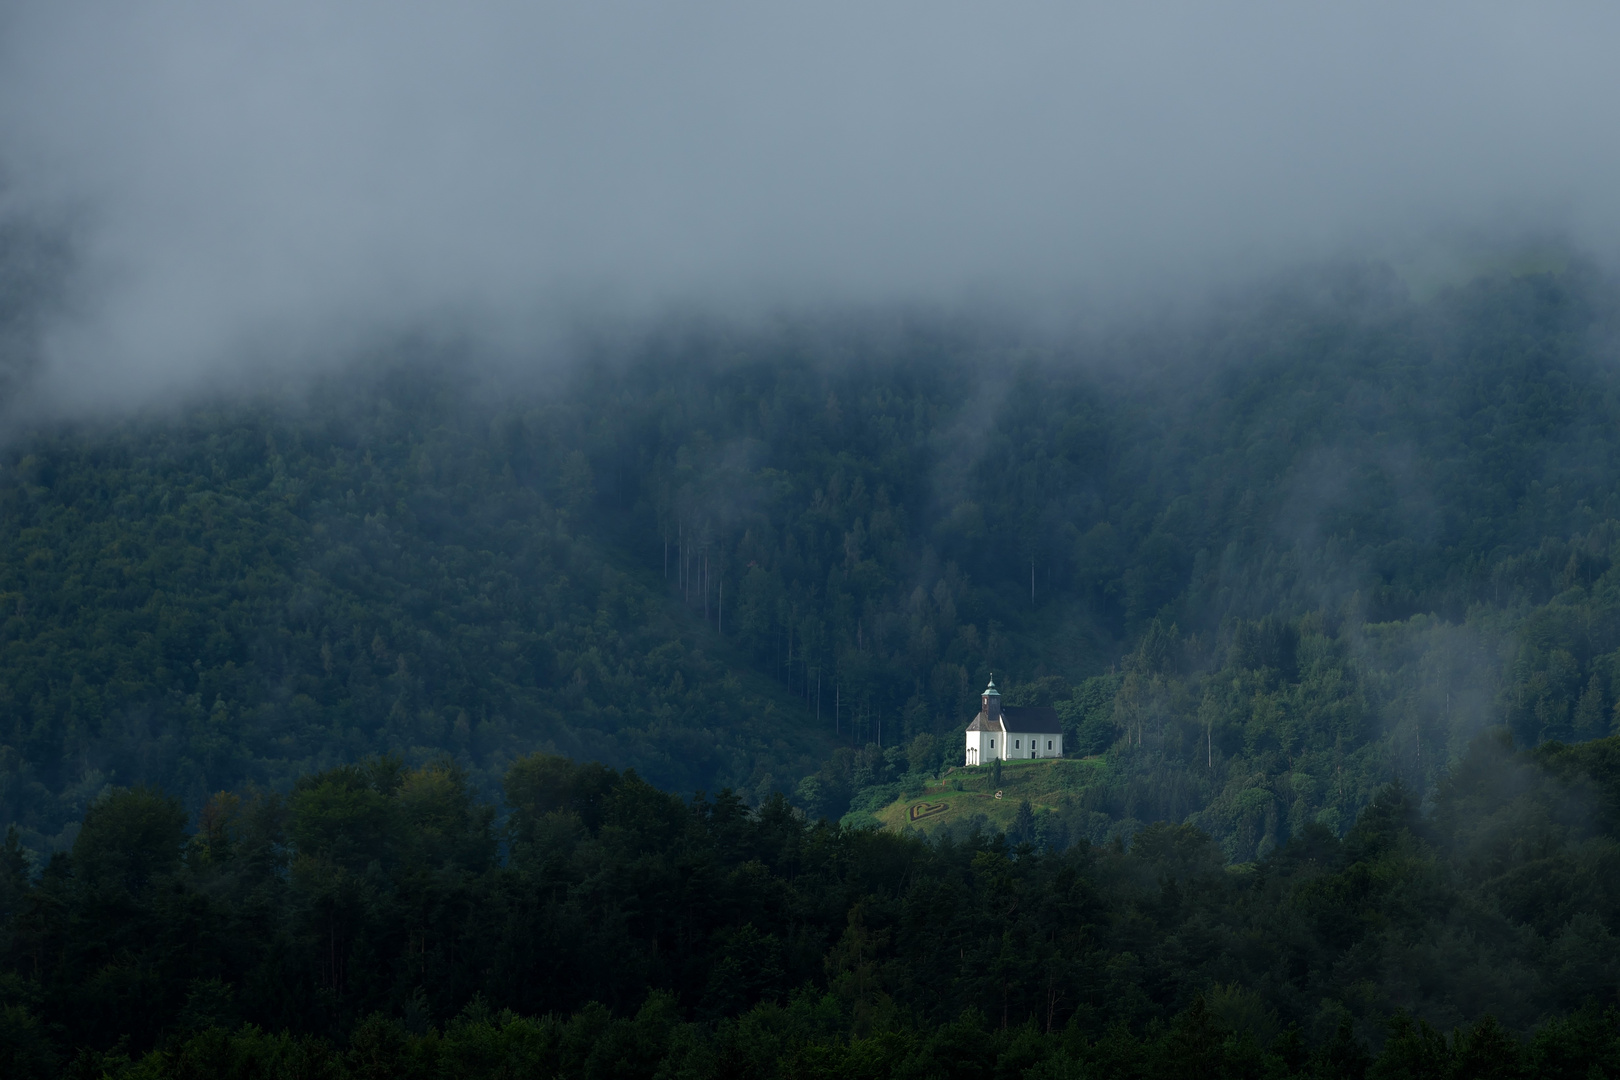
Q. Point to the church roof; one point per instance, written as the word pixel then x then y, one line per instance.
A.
pixel 1022 720
pixel 1031 720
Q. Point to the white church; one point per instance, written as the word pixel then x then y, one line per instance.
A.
pixel 1012 732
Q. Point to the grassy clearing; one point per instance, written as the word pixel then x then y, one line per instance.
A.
pixel 963 792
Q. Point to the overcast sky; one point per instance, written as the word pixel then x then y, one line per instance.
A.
pixel 252 183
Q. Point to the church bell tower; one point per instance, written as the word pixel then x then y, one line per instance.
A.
pixel 990 702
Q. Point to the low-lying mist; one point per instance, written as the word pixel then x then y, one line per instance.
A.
pixel 258 189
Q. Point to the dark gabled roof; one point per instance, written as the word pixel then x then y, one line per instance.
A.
pixel 1031 720
pixel 982 723
pixel 1021 719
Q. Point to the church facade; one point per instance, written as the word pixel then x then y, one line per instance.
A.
pixel 1012 732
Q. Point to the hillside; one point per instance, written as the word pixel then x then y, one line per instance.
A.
pixel 967 799
pixel 245 595
pixel 1264 559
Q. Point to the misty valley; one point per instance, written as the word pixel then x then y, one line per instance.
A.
pixel 436 718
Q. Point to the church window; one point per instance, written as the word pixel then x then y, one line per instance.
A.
pixel 1018 744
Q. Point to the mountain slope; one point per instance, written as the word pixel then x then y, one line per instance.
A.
pixel 249 594
pixel 728 558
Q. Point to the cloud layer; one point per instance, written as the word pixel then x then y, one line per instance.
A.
pixel 256 183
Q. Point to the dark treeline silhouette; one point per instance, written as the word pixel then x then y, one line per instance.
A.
pixel 376 921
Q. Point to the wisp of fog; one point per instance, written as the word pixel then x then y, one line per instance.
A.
pixel 257 184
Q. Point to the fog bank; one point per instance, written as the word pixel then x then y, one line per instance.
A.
pixel 257 184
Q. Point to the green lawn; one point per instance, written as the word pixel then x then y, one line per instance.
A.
pixel 963 792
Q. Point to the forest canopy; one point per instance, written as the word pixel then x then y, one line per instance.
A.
pixel 376 921
pixel 421 716
pixel 1269 559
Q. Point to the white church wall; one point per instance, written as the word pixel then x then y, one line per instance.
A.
pixel 1022 746
pixel 983 747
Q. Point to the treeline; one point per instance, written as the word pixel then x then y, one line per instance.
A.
pixel 742 559
pixel 1301 549
pixel 376 920
pixel 245 595
pixel 900 513
pixel 1265 726
pixel 803 1040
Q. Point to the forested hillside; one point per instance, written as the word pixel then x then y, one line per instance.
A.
pixel 1326 584
pixel 1269 559
pixel 245 595
pixel 364 925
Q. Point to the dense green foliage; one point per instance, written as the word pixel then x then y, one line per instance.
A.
pixel 1267 560
pixel 247 595
pixel 1277 568
pixel 364 924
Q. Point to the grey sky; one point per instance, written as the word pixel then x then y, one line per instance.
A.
pixel 255 183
